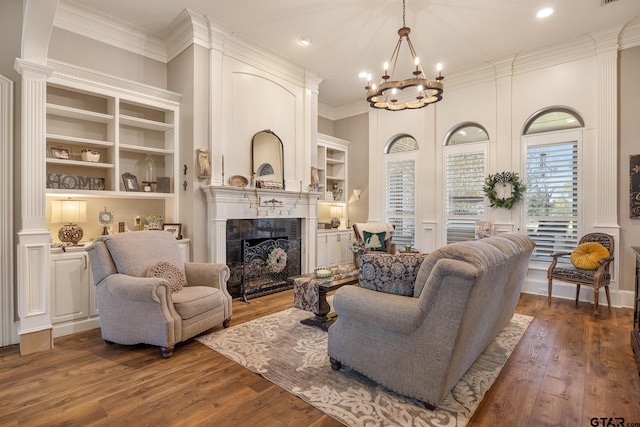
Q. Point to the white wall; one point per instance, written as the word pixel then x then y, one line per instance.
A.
pixel 501 100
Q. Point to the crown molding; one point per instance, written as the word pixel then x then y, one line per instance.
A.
pixel 348 110
pixel 186 29
pixel 105 29
pixel 630 35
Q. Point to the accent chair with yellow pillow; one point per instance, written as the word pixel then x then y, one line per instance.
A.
pixel 589 266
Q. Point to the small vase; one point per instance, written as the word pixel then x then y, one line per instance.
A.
pixel 356 260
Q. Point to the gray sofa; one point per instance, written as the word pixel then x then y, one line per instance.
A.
pixel 147 294
pixel 421 345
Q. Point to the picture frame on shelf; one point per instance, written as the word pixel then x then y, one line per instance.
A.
pixel 60 153
pixel 174 228
pixel 130 182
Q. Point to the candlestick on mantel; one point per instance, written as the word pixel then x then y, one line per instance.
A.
pixel 223 169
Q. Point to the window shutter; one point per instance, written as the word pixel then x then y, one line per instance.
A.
pixel 552 198
pixel 401 202
pixel 464 177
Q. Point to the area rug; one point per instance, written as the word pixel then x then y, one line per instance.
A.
pixel 294 357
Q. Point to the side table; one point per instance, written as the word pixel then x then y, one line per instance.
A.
pixel 310 294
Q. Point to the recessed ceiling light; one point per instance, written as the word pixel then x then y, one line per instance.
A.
pixel 304 41
pixel 543 13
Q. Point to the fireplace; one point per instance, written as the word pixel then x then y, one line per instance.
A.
pixel 261 255
pixel 236 216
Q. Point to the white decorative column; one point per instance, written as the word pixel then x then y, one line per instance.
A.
pixel 33 238
pixel 606 220
pixel 7 329
pixel 506 147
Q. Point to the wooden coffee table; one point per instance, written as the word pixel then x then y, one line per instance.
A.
pixel 310 294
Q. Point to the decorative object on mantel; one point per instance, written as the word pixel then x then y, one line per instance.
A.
pixel 238 181
pixel 428 92
pixel 503 189
pixel 256 201
pixel 89 155
pixel 634 186
pixel 315 179
pixel 204 166
pixel 267 160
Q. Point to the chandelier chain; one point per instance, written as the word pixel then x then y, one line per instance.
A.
pixel 404 12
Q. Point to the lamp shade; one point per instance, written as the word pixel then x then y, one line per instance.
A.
pixel 68 211
pixel 336 211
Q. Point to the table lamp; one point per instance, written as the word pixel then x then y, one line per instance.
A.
pixel 69 212
pixel 336 211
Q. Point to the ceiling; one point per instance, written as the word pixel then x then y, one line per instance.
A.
pixel 350 36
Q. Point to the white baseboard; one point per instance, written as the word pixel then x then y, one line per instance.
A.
pixel 619 298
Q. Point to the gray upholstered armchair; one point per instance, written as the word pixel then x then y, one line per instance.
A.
pixel 147 294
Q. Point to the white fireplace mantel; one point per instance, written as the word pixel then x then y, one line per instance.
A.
pixel 226 202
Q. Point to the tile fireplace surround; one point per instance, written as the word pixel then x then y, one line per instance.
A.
pixel 226 202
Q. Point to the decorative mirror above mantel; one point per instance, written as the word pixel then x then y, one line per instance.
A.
pixel 267 160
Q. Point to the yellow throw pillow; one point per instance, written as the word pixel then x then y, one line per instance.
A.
pixel 587 255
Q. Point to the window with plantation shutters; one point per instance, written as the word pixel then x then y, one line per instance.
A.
pixel 464 204
pixel 552 197
pixel 553 213
pixel 465 154
pixel 401 200
pixel 400 188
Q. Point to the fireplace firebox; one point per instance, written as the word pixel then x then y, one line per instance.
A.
pixel 261 254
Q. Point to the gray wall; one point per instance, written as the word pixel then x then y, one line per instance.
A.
pixel 74 49
pixel 188 74
pixel 325 126
pixel 356 130
pixel 629 143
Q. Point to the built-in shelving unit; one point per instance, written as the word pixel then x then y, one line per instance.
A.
pixel 124 122
pixel 332 168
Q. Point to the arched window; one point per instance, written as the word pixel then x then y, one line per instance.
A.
pixel 465 155
pixel 552 119
pixel 400 187
pixel 553 212
pixel 400 144
pixel 464 133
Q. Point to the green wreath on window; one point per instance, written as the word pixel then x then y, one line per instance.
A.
pixel 496 185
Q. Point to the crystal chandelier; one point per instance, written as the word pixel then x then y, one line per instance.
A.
pixel 385 95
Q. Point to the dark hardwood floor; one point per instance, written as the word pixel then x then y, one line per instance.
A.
pixel 568 368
